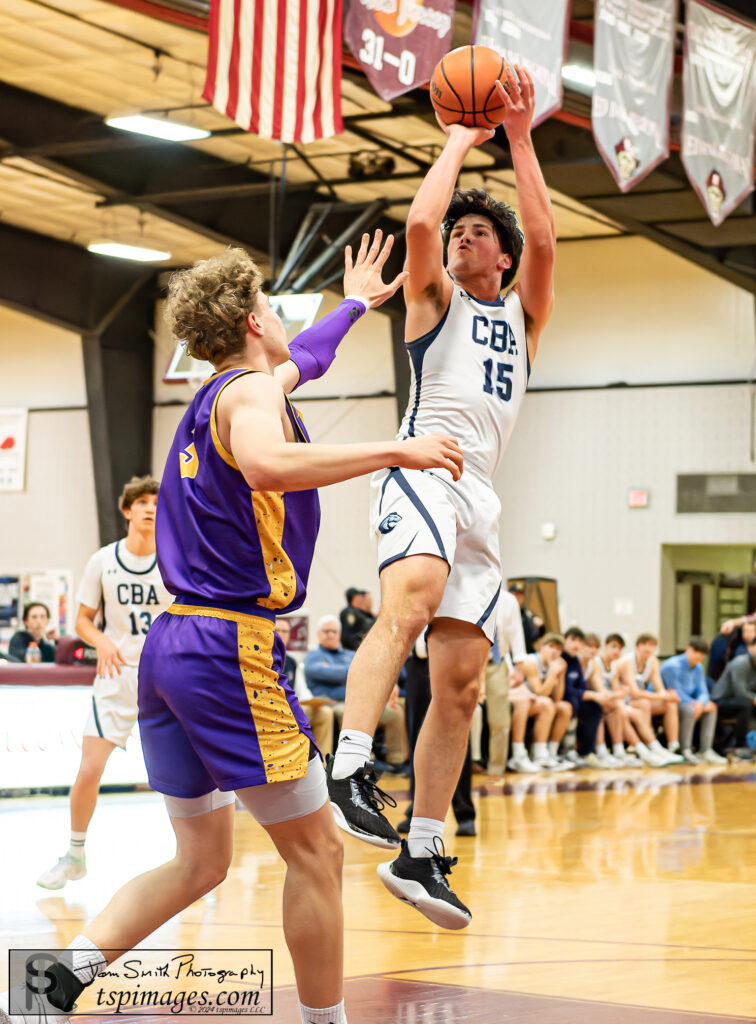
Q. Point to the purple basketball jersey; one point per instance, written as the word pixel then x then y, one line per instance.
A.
pixel 219 542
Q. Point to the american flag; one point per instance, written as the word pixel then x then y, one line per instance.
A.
pixel 274 66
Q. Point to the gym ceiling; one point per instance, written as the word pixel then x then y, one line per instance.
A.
pixel 68 180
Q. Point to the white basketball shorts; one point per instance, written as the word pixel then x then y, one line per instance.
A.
pixel 114 706
pixel 424 512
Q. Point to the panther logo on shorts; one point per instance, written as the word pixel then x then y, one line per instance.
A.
pixel 387 525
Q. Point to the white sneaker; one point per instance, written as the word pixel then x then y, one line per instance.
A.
pixel 38 1012
pixel 712 757
pixel 66 870
pixel 650 758
pixel 553 764
pixel 593 761
pixel 691 758
pixel 574 758
pixel 672 757
pixel 522 764
pixel 608 760
pixel 630 761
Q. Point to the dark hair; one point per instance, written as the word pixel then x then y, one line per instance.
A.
pixel 591 638
pixel 646 638
pixel 35 604
pixel 616 638
pixel 699 644
pixel 574 631
pixel 503 218
pixel 135 488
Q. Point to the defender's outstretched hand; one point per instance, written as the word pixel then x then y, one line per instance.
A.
pixel 365 276
pixel 518 97
pixel 433 451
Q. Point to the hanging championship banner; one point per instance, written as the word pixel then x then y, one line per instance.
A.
pixel 633 60
pixel 533 33
pixel 719 106
pixel 398 42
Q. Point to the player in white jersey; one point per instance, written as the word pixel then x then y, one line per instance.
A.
pixel 647 696
pixel 600 674
pixel 470 352
pixel 121 588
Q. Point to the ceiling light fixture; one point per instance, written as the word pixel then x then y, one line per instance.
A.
pixel 128 252
pixel 157 128
pixel 580 75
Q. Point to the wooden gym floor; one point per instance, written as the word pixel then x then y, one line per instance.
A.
pixel 596 897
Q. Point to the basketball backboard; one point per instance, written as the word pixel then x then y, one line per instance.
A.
pixel 297 312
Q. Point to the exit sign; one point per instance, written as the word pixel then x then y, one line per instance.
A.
pixel 637 498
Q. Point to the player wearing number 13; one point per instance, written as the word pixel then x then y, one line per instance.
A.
pixel 470 351
pixel 122 585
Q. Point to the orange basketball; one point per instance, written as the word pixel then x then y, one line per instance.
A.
pixel 462 87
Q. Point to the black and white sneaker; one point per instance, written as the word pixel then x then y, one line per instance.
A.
pixel 357 803
pixel 421 882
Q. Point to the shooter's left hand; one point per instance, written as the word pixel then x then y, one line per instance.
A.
pixel 518 96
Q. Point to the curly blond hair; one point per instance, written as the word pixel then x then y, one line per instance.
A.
pixel 208 304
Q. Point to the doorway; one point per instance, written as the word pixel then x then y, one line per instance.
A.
pixel 702 586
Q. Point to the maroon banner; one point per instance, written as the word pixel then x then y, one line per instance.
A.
pixel 398 42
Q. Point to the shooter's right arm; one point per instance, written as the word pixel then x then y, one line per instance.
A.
pixel 428 288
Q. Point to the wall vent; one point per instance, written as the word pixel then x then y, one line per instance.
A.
pixel 716 492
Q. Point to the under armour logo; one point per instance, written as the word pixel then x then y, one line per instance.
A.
pixel 387 525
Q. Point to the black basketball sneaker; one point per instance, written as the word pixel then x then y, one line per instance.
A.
pixel 357 803
pixel 421 882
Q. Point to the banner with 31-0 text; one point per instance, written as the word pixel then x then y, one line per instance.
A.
pixel 398 42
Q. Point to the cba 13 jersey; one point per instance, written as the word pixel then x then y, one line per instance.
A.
pixel 468 377
pixel 129 592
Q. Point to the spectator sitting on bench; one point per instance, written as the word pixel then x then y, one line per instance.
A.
pixel 37 629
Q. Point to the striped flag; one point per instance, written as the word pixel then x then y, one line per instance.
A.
pixel 274 66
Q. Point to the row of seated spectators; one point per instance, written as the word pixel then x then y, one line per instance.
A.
pixel 578 701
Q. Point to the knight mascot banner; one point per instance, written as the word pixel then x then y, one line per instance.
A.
pixel 633 60
pixel 719 107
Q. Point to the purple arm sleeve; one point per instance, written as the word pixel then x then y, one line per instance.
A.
pixel 314 349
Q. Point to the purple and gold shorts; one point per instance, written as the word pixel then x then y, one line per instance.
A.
pixel 215 708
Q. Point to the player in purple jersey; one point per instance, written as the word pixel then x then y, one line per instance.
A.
pixel 237 521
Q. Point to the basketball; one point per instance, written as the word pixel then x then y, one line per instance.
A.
pixel 462 88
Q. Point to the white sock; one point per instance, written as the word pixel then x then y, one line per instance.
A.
pixel 87 961
pixel 518 750
pixel 422 833
pixel 327 1015
pixel 351 753
pixel 540 750
pixel 618 750
pixel 674 746
pixel 554 747
pixel 76 849
pixel 601 750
